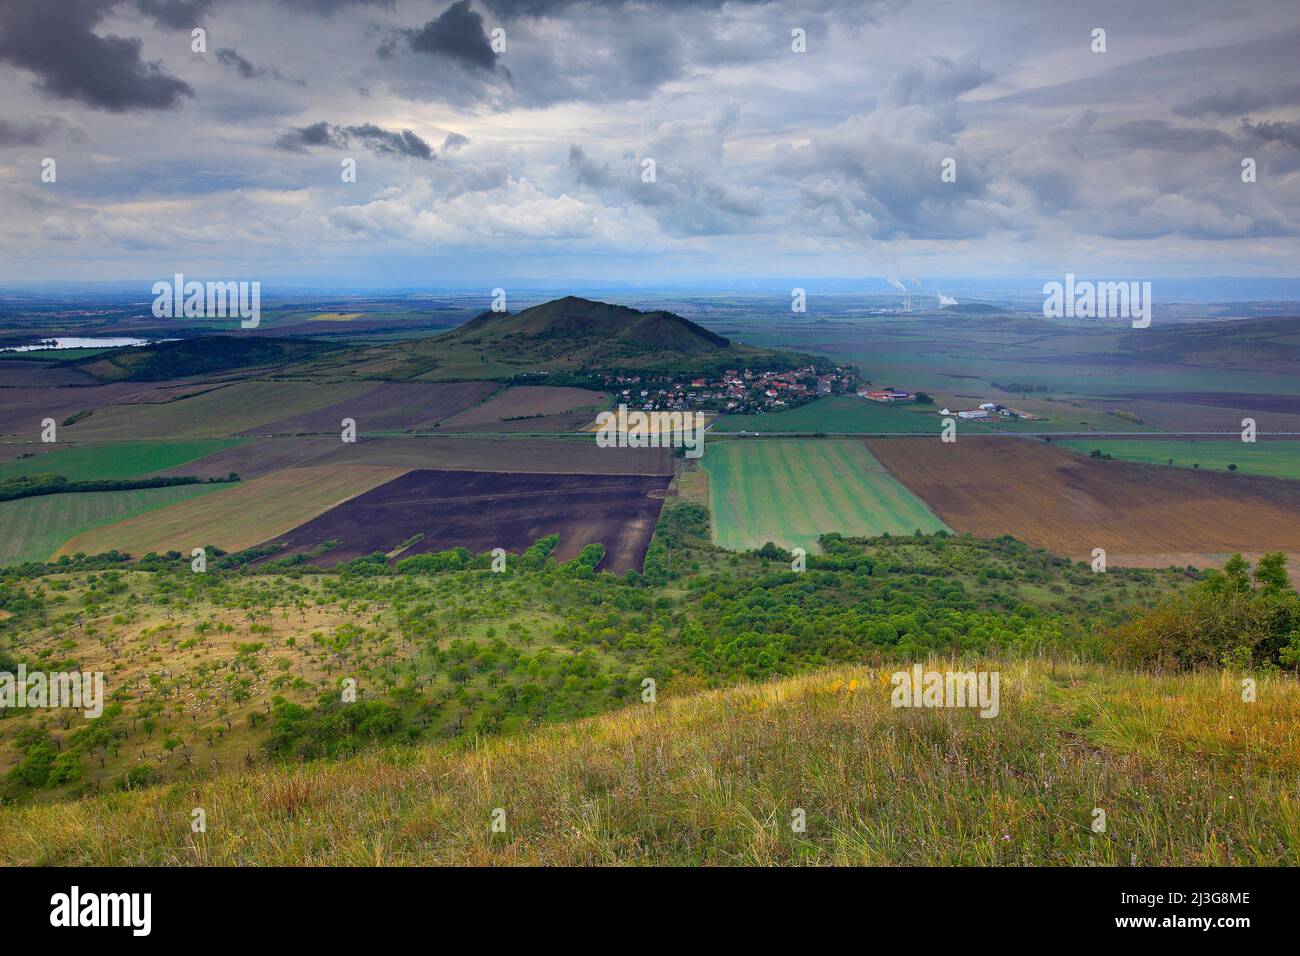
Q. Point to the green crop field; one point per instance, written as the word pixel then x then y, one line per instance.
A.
pixel 1277 459
pixel 113 460
pixel 35 527
pixel 792 491
pixel 841 413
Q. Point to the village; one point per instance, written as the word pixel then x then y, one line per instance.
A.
pixel 736 391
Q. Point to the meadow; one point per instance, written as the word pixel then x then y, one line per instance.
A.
pixel 719 778
pixel 791 491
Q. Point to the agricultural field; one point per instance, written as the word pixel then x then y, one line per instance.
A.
pixel 239 516
pixel 1274 458
pixel 1202 416
pixel 1070 504
pixel 113 460
pixel 839 414
pixel 539 408
pixel 22 409
pixel 451 452
pixel 390 406
pixel 223 412
pixel 430 511
pixel 790 492
pixel 34 528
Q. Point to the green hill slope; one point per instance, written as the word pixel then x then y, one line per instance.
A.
pixel 565 335
pixel 719 777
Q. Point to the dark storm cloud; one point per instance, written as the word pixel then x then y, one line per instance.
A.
pixel 1274 132
pixel 454 141
pixel 457 33
pixel 56 42
pixel 378 140
pixel 176 14
pixel 586 171
pixel 228 57
pixel 390 142
pixel 241 65
pixel 1238 102
pixel 511 9
pixel 328 7
pixel 317 134
pixel 35 132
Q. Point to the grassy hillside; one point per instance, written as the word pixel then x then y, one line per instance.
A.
pixel 203 355
pixel 211 670
pixel 566 334
pixel 716 777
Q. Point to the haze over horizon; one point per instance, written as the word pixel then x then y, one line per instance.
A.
pixel 475 164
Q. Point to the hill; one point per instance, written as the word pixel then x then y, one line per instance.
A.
pixel 582 322
pixel 719 777
pixel 1271 344
pixel 201 355
pixel 566 335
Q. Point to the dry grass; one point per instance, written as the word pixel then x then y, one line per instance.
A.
pixel 1186 772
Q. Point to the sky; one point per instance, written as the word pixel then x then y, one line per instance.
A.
pixel 494 140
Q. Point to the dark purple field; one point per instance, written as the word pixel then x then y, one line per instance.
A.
pixel 482 510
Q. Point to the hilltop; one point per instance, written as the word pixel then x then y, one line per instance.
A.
pixel 717 777
pixel 583 323
pixel 198 355
pixel 570 334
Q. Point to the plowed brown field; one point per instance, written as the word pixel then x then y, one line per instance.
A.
pixel 1051 498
